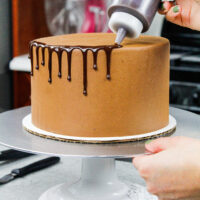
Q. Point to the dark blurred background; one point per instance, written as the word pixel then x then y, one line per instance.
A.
pixel 5 55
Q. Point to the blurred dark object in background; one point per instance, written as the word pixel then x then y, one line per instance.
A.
pixel 5 55
pixel 185 66
pixel 28 23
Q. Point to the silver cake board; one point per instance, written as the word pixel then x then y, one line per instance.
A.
pixel 98 180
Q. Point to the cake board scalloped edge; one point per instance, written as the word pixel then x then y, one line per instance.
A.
pixel 29 127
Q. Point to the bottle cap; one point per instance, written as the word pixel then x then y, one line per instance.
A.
pixel 132 25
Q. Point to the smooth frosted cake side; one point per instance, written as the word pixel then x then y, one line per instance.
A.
pixel 129 97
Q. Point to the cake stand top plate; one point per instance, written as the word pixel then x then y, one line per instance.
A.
pixel 14 136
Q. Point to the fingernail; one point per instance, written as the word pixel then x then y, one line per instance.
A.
pixel 176 9
pixel 148 141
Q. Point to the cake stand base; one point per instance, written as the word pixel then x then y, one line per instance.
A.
pixel 98 182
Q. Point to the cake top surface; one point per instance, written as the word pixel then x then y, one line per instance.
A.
pixel 100 39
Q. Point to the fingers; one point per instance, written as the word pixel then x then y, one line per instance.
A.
pixel 172 12
pixel 137 161
pixel 160 144
pixel 174 15
pixel 165 7
pixel 155 146
pixel 140 163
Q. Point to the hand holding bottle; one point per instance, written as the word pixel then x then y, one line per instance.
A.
pixel 183 12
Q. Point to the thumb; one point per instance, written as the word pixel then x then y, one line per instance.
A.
pixel 174 15
pixel 160 144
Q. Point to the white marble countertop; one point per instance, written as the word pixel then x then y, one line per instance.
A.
pixel 68 170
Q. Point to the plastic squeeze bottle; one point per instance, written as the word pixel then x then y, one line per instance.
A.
pixel 130 18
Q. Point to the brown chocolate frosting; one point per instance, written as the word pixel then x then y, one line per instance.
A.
pixel 135 101
pixel 69 50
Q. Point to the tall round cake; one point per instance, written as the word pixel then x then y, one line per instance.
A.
pixel 83 85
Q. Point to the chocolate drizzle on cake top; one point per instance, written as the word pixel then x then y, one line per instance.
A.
pixel 69 50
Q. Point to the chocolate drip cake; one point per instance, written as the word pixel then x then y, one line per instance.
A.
pixel 83 85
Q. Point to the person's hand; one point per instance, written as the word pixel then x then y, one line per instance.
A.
pixel 173 171
pixel 185 13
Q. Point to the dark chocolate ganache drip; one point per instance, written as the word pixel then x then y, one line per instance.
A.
pixel 69 50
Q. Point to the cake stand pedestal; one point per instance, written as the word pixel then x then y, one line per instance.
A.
pixel 98 180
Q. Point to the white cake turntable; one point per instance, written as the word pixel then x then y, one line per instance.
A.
pixel 98 180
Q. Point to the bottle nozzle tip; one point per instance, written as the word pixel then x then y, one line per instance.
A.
pixel 121 34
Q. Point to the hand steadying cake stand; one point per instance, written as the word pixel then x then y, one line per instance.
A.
pixel 98 180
